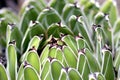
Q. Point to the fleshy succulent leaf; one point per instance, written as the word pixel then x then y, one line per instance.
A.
pixel 58 5
pixel 70 57
pixel 34 29
pixel 12 61
pixel 117 60
pixel 109 7
pixel 63 75
pixel 56 67
pixel 77 26
pixel 12 32
pixel 3 27
pixel 44 54
pixel 107 65
pixel 20 75
pixel 71 42
pixel 3 74
pixel 34 43
pixel 28 71
pixel 93 63
pixel 14 36
pixel 8 34
pixel 74 74
pixel 52 52
pixel 29 14
pixel 116 30
pixel 57 29
pixel 59 55
pixel 83 66
pixel 107 30
pixel 100 41
pixel 99 17
pixel 47 15
pixel 116 26
pixel 33 59
pixel 69 10
pixel 46 70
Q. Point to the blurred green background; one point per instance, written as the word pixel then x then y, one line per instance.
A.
pixel 16 4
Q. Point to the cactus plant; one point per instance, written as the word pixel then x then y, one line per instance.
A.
pixel 60 40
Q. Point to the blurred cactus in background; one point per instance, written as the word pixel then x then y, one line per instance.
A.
pixel 60 40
